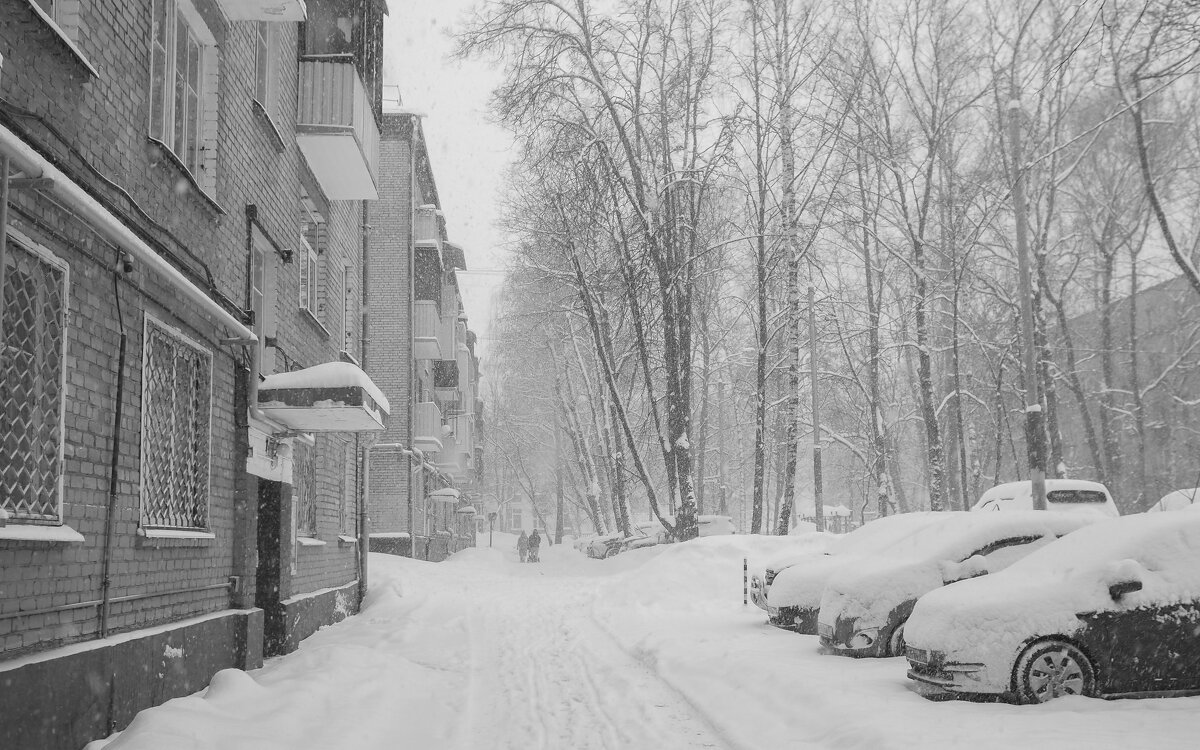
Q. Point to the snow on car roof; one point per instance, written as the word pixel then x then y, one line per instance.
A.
pixel 1042 593
pixel 881 532
pixel 959 533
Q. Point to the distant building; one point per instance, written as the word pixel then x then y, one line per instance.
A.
pixel 434 440
pixel 184 188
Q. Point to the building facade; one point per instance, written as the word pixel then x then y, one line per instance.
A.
pixel 424 469
pixel 186 186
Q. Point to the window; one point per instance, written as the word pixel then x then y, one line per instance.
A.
pixel 334 318
pixel 304 492
pixel 347 311
pixel 264 66
pixel 262 298
pixel 312 238
pixel 34 313
pixel 176 422
pixel 515 522
pixel 348 514
pixel 183 59
pixel 1076 496
pixel 309 270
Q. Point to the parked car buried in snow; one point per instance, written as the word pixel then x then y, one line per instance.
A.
pixel 1112 610
pixel 790 590
pixel 1067 495
pixel 865 605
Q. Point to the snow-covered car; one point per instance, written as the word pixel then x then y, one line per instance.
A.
pixel 643 535
pixel 1067 495
pixel 604 545
pixel 865 605
pixel 790 590
pixel 1177 500
pixel 1110 610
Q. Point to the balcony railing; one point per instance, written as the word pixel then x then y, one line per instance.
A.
pixel 426 322
pixel 336 128
pixel 427 427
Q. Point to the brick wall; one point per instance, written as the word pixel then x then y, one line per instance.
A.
pixel 95 129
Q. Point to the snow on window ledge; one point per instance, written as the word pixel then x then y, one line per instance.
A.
pixel 26 532
pixel 345 540
pixel 308 541
pixel 390 535
pixel 175 534
pixel 65 37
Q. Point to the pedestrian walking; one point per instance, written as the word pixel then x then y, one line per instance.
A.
pixel 535 541
pixel 523 545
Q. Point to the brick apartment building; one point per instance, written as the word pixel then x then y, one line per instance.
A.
pixel 433 443
pixel 185 187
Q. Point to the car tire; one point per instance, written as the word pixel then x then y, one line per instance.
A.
pixel 896 641
pixel 1050 669
pixel 611 552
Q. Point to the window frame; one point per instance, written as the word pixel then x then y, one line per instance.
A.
pixel 44 255
pixel 151 320
pixel 263 297
pixel 310 274
pixel 164 127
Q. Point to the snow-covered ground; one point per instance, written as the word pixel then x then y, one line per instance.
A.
pixel 651 649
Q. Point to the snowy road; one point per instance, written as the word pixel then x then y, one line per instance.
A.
pixel 648 650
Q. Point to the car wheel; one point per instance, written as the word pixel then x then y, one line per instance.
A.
pixel 611 552
pixel 896 641
pixel 1052 669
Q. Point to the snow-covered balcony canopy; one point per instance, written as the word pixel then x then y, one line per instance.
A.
pixel 331 397
pixel 264 10
pixel 445 495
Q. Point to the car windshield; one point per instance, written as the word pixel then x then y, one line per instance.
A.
pixel 1076 496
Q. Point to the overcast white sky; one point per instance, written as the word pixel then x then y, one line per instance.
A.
pixel 469 153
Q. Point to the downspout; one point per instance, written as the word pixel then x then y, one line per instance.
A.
pixel 109 526
pixel 364 527
pixel 412 291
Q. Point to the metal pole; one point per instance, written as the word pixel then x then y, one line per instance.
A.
pixel 1034 432
pixel 3 242
pixel 818 493
pixel 745 581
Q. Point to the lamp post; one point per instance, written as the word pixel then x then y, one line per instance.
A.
pixel 491 526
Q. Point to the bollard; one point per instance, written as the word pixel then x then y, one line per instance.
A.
pixel 745 582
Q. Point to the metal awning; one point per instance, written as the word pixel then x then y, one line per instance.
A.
pixel 330 397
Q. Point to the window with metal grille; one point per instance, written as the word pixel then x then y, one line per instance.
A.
pixel 176 429
pixel 33 322
pixel 304 475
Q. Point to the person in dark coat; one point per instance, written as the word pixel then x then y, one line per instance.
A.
pixel 523 545
pixel 535 541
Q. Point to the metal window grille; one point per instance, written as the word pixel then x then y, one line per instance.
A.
pixel 304 469
pixel 31 385
pixel 176 428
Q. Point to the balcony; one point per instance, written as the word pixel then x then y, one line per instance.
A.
pixel 427 227
pixel 264 10
pixel 464 370
pixel 464 432
pixel 336 128
pixel 445 378
pixel 427 427
pixel 448 333
pixel 426 321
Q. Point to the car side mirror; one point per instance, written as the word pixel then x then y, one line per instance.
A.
pixel 1121 588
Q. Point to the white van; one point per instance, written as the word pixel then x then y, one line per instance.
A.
pixel 1061 494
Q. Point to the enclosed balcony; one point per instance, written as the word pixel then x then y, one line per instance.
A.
pixel 427 227
pixel 336 128
pixel 448 333
pixel 427 427
pixel 426 322
pixel 445 378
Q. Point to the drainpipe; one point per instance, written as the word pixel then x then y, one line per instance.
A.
pixel 412 292
pixel 109 525
pixel 3 240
